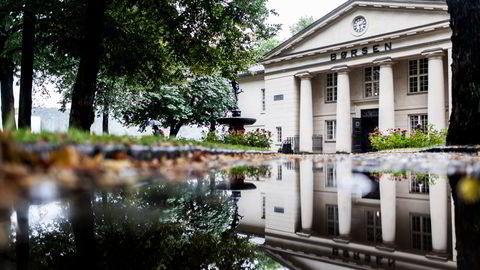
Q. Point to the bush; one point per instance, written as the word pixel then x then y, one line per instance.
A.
pixel 397 138
pixel 259 138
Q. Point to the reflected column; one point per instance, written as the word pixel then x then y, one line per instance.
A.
pixel 388 208
pixel 306 194
pixel 344 197
pixel 5 224
pixel 439 213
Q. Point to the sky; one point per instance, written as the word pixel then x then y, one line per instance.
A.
pixel 289 11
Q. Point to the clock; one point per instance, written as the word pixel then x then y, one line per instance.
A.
pixel 359 25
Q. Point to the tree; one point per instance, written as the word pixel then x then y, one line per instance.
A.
pixel 301 24
pixel 82 112
pixel 9 47
pixel 199 101
pixel 262 47
pixel 26 80
pixel 465 119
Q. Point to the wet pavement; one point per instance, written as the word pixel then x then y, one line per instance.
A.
pixel 370 211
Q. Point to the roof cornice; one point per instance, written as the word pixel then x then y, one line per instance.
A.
pixel 431 5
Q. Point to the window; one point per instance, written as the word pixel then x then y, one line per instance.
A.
pixel 421 232
pixel 264 204
pixel 419 183
pixel 418 76
pixel 372 81
pixel 331 176
pixel 279 172
pixel 374 226
pixel 331 126
pixel 332 220
pixel 419 121
pixel 277 97
pixel 263 100
pixel 279 134
pixel 331 89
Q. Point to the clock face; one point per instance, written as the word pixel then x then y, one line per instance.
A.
pixel 359 25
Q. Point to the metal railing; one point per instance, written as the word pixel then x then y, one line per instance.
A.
pixel 293 143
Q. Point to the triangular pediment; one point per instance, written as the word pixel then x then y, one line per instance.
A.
pixel 382 18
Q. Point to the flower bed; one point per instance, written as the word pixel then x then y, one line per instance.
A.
pixel 398 138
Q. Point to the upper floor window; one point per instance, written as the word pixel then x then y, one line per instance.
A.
pixel 264 204
pixel 331 126
pixel 279 134
pixel 420 183
pixel 331 176
pixel 372 81
pixel 374 226
pixel 331 87
pixel 263 100
pixel 279 173
pixel 418 76
pixel 418 122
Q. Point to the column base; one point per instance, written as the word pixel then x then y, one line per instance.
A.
pixel 386 247
pixel 341 240
pixel 304 233
pixel 437 256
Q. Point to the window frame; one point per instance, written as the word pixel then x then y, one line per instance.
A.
pixel 334 131
pixel 421 118
pixel 330 221
pixel 264 100
pixel 419 76
pixel 424 245
pixel 279 134
pixel 373 81
pixel 376 225
pixel 333 87
pixel 330 182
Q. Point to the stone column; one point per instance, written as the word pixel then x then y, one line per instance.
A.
pixel 436 89
pixel 388 208
pixel 306 194
pixel 306 112
pixel 344 117
pixel 439 213
pixel 386 101
pixel 344 198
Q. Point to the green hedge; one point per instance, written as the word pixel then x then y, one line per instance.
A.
pixel 398 138
pixel 258 138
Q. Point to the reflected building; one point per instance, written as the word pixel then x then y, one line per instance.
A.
pixel 315 214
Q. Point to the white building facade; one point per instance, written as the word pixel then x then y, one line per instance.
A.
pixel 367 64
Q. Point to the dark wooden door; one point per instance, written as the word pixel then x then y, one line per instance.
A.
pixel 357 135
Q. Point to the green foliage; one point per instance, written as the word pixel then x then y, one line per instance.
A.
pixel 81 137
pixel 199 101
pixel 264 46
pixel 251 171
pixel 301 24
pixel 397 139
pixel 257 138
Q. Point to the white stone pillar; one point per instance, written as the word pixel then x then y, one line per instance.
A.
pixel 436 90
pixel 450 62
pixel 386 101
pixel 388 208
pixel 439 213
pixel 306 113
pixel 344 197
pixel 306 194
pixel 344 117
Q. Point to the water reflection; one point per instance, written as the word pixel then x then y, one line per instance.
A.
pixel 312 213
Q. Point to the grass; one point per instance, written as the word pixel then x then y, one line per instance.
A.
pixel 81 137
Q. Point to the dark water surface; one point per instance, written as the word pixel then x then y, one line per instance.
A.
pixel 390 211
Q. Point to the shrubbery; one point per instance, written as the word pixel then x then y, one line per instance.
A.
pixel 397 138
pixel 258 138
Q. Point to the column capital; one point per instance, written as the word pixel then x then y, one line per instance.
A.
pixel 431 53
pixel 387 61
pixel 340 69
pixel 304 75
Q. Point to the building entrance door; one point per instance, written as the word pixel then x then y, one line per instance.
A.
pixel 362 127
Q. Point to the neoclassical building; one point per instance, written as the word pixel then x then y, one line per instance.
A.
pixel 366 64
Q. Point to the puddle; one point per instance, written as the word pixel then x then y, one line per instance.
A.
pixel 389 211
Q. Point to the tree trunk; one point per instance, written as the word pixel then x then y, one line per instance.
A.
pixel 82 113
pixel 106 113
pixel 174 129
pixel 8 103
pixel 467 218
pixel 213 126
pixel 22 243
pixel 83 225
pixel 465 119
pixel 26 80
